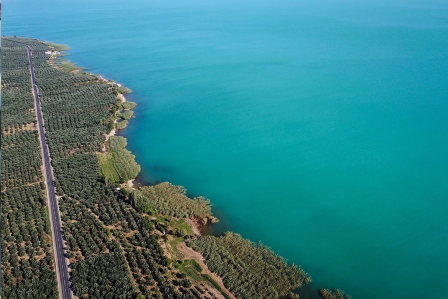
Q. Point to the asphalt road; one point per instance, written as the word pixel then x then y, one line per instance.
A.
pixel 62 272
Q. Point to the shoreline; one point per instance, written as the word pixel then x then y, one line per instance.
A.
pixel 200 226
pixel 130 183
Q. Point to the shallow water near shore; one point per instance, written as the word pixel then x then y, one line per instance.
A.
pixel 319 128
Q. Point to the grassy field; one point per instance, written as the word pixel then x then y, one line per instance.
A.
pixel 108 167
pixel 118 164
pixel 210 280
pixel 193 270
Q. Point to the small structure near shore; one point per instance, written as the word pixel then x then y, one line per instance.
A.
pixel 52 53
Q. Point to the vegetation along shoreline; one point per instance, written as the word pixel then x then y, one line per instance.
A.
pixel 121 239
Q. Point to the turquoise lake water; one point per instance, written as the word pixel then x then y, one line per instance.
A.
pixel 318 127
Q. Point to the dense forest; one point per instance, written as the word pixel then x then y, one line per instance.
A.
pixel 121 242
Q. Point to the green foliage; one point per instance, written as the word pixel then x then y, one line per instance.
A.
pixel 187 267
pixel 121 125
pixel 215 285
pixel 193 270
pixel 127 114
pixel 195 265
pixel 21 159
pixel 180 225
pixel 123 90
pixel 106 270
pixel 142 204
pixel 128 105
pixel 17 98
pixel 334 294
pixel 68 66
pixel 117 143
pixel 118 165
pixel 126 165
pixel 27 262
pixel 249 270
pixel 171 200
pixel 108 168
pixel 147 223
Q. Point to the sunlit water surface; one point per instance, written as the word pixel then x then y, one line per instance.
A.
pixel 319 128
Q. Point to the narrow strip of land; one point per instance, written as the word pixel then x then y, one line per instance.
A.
pixel 62 272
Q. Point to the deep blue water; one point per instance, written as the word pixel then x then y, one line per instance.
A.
pixel 318 127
